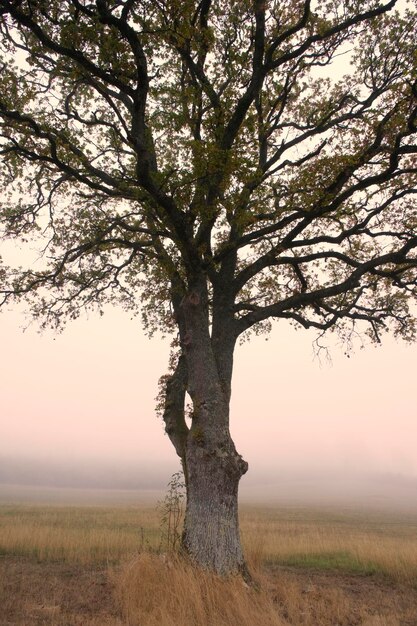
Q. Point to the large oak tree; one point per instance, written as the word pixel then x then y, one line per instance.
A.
pixel 216 164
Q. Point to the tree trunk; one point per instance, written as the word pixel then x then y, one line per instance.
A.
pixel 212 467
pixel 212 471
pixel 211 531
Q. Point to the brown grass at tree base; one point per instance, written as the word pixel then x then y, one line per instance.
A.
pixel 153 590
pixel 168 591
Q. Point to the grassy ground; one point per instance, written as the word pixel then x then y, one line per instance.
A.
pixel 352 541
pixel 99 566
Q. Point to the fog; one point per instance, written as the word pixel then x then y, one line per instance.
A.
pixel 37 481
pixel 78 411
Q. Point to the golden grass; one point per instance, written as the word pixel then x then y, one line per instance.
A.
pixel 363 543
pixel 156 590
pixel 77 534
pixel 358 542
pixel 310 554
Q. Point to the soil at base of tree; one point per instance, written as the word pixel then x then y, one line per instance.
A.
pixel 51 594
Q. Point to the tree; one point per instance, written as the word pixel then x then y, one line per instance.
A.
pixel 194 160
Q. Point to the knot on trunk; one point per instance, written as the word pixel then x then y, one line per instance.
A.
pixel 231 461
pixel 242 464
pixel 239 464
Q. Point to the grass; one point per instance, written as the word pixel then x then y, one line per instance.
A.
pixel 101 565
pixel 165 583
pixel 364 543
pixel 77 534
pixel 329 561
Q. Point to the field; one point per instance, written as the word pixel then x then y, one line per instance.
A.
pixel 107 565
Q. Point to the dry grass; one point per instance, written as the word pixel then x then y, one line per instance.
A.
pixel 77 534
pixel 156 591
pixel 354 542
pixel 101 566
pixel 164 591
pixel 151 590
pixel 365 543
pixel 55 594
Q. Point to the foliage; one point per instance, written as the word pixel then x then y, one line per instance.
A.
pixel 266 146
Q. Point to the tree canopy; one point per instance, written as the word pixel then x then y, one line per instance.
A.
pixel 268 144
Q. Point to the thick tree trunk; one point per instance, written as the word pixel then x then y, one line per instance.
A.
pixel 211 464
pixel 211 531
pixel 212 470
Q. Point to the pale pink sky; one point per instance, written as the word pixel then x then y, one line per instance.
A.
pixel 88 394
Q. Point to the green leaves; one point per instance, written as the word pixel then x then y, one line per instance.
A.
pixel 270 148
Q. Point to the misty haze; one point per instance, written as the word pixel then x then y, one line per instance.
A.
pixel 26 480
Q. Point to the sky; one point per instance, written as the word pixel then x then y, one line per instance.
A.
pixel 84 400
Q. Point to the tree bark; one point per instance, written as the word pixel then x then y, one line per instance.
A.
pixel 211 530
pixel 173 415
pixel 212 466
